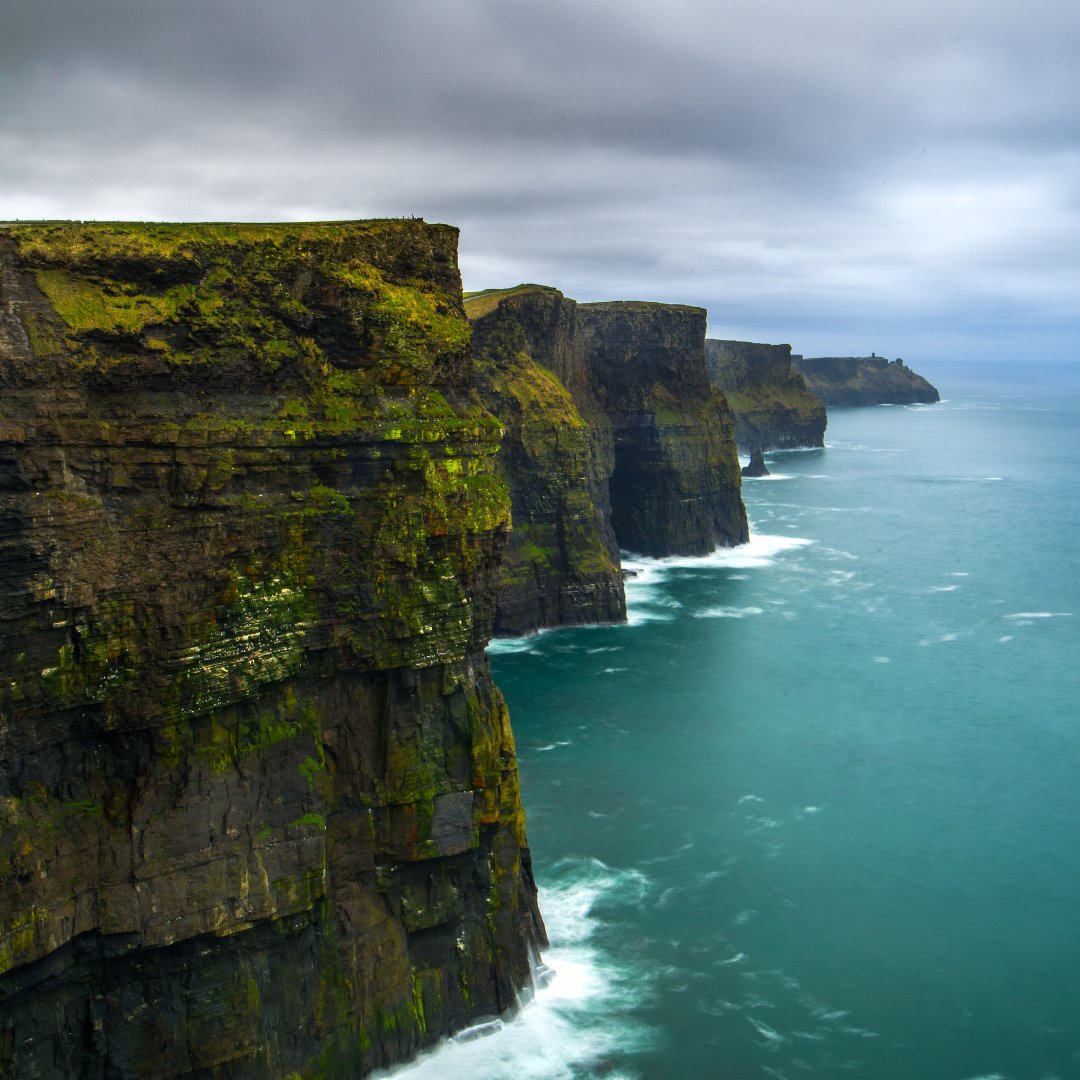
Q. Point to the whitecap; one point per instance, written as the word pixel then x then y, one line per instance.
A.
pixel 882 660
pixel 1004 638
pixel 636 617
pixel 727 613
pixel 550 746
pixel 514 644
pixel 718 1007
pixel 943 588
pixel 738 958
pixel 612 670
pixel 766 1032
pixel 1039 615
pixel 751 798
pixel 810 809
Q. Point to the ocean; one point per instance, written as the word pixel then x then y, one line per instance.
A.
pixel 814 811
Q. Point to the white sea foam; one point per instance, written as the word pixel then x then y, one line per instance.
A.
pixel 943 588
pixel 727 612
pixel 578 1016
pixel 750 798
pixel 612 670
pixel 882 660
pixel 1004 638
pixel 762 550
pixel 514 644
pixel 771 476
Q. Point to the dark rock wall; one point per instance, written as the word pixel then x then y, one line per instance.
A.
pixel 773 407
pixel 259 806
pixel 865 380
pixel 675 488
pixel 561 566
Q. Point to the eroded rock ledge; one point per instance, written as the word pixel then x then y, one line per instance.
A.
pixel 259 806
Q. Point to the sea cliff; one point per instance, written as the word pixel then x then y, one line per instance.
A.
pixel 772 406
pixel 630 446
pixel 259 807
pixel 562 563
pixel 865 380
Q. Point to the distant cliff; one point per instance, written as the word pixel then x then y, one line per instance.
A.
pixel 865 380
pixel 613 437
pixel 676 486
pixel 772 406
pixel 259 809
pixel 562 563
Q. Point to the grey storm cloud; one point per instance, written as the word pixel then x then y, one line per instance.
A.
pixel 840 175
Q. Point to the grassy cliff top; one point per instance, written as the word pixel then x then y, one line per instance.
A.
pixel 484 301
pixel 383 289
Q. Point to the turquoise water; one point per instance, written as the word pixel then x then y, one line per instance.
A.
pixel 814 812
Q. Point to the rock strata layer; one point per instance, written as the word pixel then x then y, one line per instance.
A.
pixel 613 438
pixel 865 380
pixel 772 405
pixel 259 808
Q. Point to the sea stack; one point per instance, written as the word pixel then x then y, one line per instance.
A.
pixel 756 465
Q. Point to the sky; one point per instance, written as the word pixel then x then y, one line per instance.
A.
pixel 847 176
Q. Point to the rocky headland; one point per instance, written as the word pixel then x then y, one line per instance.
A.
pixel 770 401
pixel 865 380
pixel 613 437
pixel 259 807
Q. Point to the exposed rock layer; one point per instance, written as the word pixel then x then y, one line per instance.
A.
pixel 865 380
pixel 614 437
pixel 771 404
pixel 259 805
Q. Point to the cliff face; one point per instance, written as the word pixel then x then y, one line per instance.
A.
pixel 771 404
pixel 865 380
pixel 259 805
pixel 675 488
pixel 613 436
pixel 561 566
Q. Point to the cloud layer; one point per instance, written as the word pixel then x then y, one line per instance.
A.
pixel 901 176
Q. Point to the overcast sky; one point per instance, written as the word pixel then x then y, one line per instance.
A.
pixel 901 176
